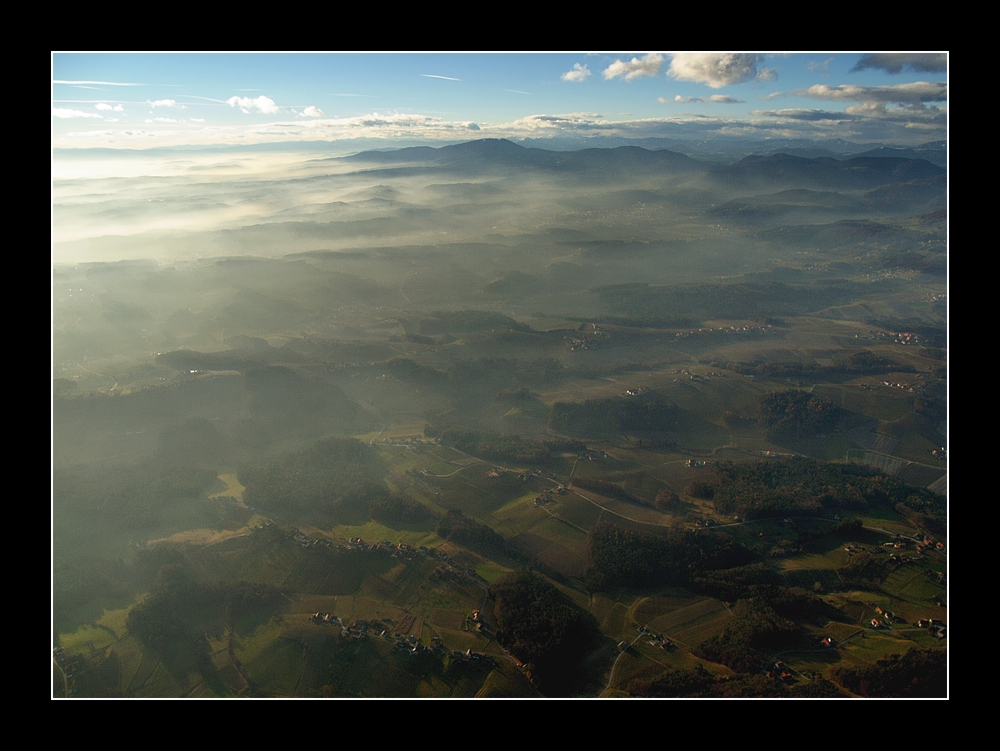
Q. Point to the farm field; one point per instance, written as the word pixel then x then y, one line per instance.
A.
pixel 484 418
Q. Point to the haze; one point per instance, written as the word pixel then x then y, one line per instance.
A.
pixel 500 376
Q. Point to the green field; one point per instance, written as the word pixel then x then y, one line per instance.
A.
pixel 704 340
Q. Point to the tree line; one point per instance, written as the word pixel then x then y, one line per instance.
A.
pixel 803 487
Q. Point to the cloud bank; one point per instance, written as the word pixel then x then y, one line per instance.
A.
pixel 66 114
pixel 717 98
pixel 896 62
pixel 914 94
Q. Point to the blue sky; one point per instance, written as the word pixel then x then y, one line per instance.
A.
pixel 138 101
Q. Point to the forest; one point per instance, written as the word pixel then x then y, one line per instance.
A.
pixel 455 422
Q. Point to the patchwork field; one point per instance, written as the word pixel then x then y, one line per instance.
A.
pixel 511 404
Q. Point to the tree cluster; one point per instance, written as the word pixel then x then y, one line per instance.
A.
pixel 698 683
pixel 539 625
pixel 804 487
pixel 620 557
pixel 667 500
pixel 755 629
pixel 504 448
pixel 470 534
pixel 334 476
pixel 173 619
pixel 128 496
pixel 860 363
pixel 920 673
pixel 797 414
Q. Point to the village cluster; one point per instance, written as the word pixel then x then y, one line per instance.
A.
pixel 655 640
pixel 748 329
pixel 898 337
pixel 701 378
pixel 636 391
pixel 936 626
pixel 357 544
pixel 359 629
pixel 777 671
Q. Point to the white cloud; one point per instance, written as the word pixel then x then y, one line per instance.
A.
pixel 162 103
pixel 649 65
pixel 66 114
pixel 901 126
pixel 197 119
pixel 895 62
pixel 111 119
pixel 815 66
pixel 161 120
pixel 311 111
pixel 261 104
pixel 719 69
pixel 431 75
pixel 109 136
pixel 872 109
pixel 802 114
pixel 375 120
pixel 554 123
pixel 905 93
pixel 108 108
pixel 579 73
pixel 867 114
pixel 717 98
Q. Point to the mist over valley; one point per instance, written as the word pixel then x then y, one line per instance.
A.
pixel 502 414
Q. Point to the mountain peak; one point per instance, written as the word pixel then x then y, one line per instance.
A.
pixel 484 147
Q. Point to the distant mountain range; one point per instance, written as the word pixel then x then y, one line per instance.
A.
pixel 862 172
pixel 729 150
pixel 872 169
pixel 717 151
pixel 499 152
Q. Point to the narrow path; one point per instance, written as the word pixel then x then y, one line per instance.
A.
pixel 233 658
pixel 94 372
pixel 610 511
pixel 611 677
pixel 428 474
pixel 897 458
pixel 63 674
pixel 564 521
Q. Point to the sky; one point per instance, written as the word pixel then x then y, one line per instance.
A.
pixel 139 101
